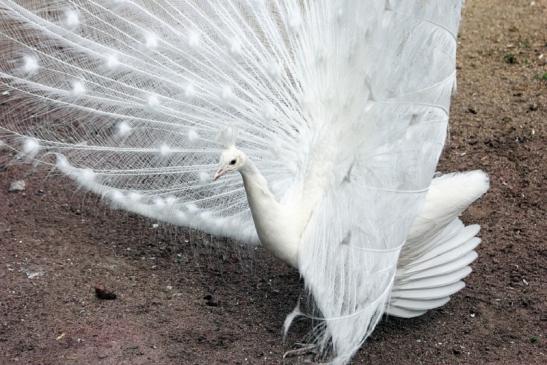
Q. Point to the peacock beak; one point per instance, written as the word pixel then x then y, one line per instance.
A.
pixel 221 171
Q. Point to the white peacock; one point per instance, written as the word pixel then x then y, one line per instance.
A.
pixel 341 107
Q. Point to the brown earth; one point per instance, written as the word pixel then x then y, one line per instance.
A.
pixel 188 298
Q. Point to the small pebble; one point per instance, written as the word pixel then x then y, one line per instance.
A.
pixel 34 274
pixel 533 107
pixel 210 300
pixel 102 293
pixel 18 185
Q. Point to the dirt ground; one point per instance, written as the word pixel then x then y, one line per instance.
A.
pixel 188 298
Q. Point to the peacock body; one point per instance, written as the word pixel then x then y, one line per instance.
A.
pixel 333 112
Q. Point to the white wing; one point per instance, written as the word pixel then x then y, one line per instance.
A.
pixel 439 248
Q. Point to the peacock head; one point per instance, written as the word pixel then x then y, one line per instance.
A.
pixel 231 159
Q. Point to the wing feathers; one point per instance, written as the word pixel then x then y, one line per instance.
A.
pixel 429 293
pixel 434 281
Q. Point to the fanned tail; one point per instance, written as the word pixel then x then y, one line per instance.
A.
pixel 129 96
pixel 376 158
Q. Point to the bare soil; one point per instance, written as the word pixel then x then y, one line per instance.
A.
pixel 183 297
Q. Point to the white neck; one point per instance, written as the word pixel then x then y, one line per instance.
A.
pixel 275 226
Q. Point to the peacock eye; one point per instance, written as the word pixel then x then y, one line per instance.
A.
pixel 233 162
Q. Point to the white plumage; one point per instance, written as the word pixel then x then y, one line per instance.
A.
pixel 341 108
